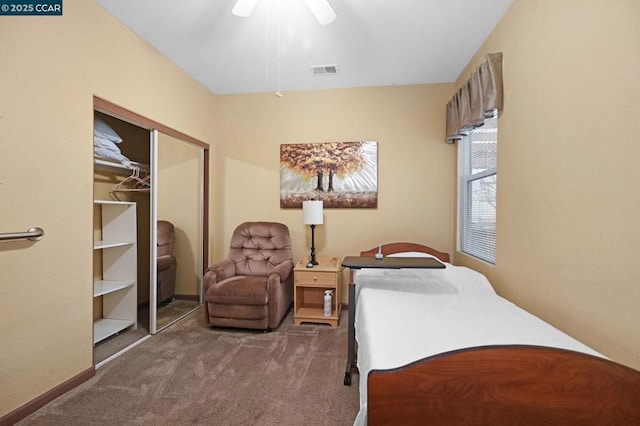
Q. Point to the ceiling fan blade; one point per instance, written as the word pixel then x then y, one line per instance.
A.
pixel 243 8
pixel 322 10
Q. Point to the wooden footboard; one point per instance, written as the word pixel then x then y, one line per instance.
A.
pixel 505 385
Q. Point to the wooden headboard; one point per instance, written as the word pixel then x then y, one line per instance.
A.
pixel 392 248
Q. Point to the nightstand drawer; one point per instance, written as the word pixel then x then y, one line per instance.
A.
pixel 320 279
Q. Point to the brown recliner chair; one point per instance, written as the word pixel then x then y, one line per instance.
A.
pixel 166 262
pixel 253 287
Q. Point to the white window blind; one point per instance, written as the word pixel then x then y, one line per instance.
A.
pixel 477 180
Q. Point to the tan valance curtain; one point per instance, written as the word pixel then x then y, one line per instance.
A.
pixel 479 97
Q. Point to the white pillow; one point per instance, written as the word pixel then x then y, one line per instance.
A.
pixel 103 130
pixel 111 155
pixel 99 142
pixel 411 254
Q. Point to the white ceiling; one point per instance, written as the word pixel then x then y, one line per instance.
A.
pixel 373 42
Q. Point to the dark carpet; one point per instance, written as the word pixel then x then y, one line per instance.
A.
pixel 191 374
pixel 166 314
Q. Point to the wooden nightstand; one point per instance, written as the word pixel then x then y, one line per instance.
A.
pixel 309 287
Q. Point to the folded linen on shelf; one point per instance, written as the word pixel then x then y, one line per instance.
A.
pixel 105 140
pixel 103 130
pixel 111 155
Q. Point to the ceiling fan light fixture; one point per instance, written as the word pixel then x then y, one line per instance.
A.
pixel 243 8
pixel 322 10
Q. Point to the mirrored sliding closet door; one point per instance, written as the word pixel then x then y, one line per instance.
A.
pixel 178 194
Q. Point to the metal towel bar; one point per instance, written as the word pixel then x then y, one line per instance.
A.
pixel 33 234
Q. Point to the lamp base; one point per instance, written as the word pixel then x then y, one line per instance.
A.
pixel 312 257
pixel 312 261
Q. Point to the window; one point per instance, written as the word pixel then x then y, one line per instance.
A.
pixel 477 178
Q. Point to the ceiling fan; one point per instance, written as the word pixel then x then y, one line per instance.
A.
pixel 321 9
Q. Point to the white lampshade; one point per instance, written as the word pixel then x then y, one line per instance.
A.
pixel 312 212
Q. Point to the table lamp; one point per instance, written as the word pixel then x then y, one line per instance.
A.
pixel 312 215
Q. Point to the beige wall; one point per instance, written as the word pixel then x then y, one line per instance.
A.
pixel 51 69
pixel 568 177
pixel 415 166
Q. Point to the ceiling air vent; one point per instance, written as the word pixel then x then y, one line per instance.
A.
pixel 318 70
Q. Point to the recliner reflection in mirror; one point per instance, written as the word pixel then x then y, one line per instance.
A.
pixel 166 263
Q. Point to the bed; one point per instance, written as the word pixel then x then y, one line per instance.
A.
pixel 441 347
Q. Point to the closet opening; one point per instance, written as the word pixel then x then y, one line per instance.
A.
pixel 150 194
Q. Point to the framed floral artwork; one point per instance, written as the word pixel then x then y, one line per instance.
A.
pixel 341 174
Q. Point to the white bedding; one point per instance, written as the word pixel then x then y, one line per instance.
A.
pixel 406 315
pixel 450 280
